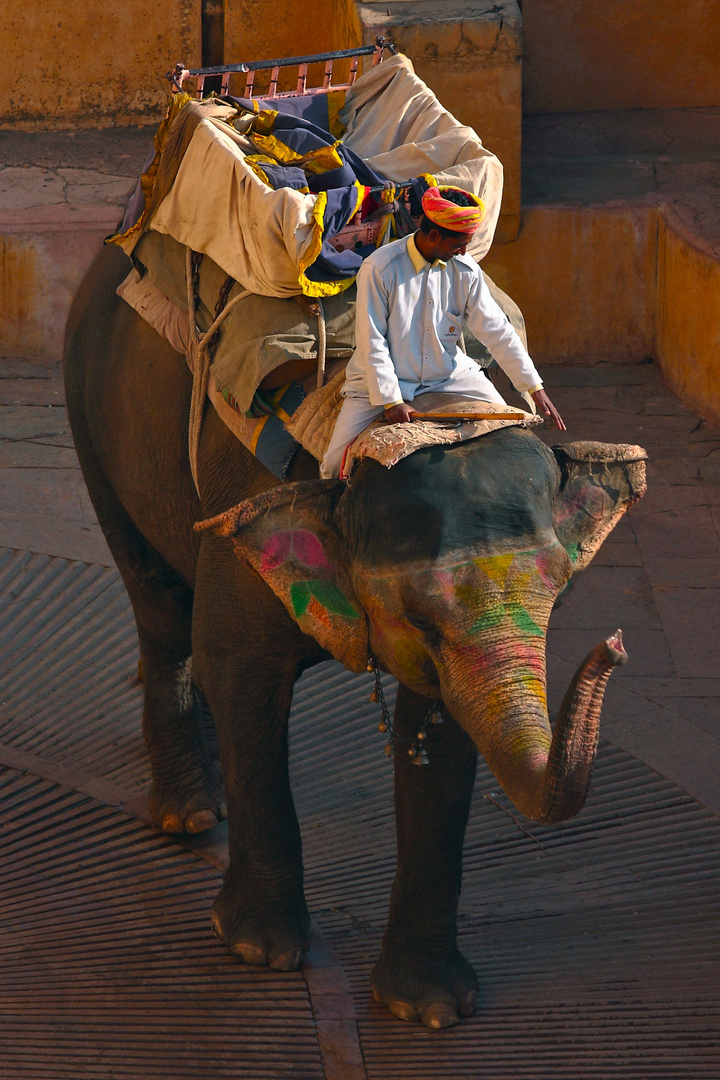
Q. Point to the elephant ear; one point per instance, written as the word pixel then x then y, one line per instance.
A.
pixel 600 481
pixel 289 536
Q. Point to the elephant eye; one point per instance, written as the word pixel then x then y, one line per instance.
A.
pixel 421 623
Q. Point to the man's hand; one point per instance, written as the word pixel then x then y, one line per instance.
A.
pixel 546 408
pixel 400 414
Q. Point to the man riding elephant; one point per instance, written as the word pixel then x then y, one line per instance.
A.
pixel 413 296
pixel 442 569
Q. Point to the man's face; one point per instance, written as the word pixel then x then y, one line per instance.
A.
pixel 445 247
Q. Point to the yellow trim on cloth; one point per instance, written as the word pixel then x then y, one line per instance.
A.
pixel 324 288
pixel 147 180
pixel 323 159
pixel 275 148
pixel 264 121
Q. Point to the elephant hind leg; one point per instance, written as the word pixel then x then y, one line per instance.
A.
pixel 186 794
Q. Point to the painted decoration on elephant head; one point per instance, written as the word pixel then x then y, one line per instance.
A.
pixel 491 611
pixel 313 583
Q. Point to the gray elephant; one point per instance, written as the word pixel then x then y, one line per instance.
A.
pixel 443 569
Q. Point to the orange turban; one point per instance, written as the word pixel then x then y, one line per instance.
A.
pixel 448 215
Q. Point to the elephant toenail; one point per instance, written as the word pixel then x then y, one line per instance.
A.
pixel 442 1017
pixel 172 824
pixel 200 821
pixel 249 954
pixel 403 1010
pixel 287 961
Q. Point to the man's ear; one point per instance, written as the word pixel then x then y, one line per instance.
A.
pixel 289 537
pixel 599 482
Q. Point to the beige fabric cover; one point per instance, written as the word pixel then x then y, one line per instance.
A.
pixel 396 124
pixel 218 205
pixel 208 199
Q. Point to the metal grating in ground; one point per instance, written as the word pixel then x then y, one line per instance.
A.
pixel 108 966
pixel 596 943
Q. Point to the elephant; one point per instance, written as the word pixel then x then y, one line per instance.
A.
pixel 442 570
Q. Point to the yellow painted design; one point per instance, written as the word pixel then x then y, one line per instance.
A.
pixel 256 161
pixel 335 103
pixel 496 568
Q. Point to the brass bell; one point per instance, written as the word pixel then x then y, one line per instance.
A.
pixel 388 750
pixel 374 696
pixel 436 717
pixel 382 726
pixel 412 752
pixel 421 736
pixel 420 757
pixel 370 666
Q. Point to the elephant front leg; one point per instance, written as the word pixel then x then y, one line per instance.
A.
pixel 421 975
pixel 260 913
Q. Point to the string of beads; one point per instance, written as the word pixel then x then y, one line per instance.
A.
pixel 416 747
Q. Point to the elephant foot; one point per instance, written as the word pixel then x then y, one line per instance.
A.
pixel 193 807
pixel 413 986
pixel 262 934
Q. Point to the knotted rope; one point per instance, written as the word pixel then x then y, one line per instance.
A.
pixel 199 354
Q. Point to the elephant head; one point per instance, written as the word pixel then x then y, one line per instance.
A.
pixel 445 569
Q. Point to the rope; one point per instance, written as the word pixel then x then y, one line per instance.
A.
pixel 322 343
pixel 199 353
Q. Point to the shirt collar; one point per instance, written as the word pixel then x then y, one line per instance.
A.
pixel 418 261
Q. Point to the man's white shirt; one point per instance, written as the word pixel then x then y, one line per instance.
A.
pixel 410 316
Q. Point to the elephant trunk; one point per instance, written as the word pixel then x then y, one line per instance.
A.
pixel 545 773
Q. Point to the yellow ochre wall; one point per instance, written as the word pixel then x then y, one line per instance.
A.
pixel 96 65
pixel 620 54
pixel 258 30
pixel 91 64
